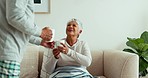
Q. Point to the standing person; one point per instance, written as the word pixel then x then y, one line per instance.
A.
pixel 16 28
pixel 70 59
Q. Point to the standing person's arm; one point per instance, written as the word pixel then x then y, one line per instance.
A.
pixel 20 15
pixel 39 41
pixel 35 40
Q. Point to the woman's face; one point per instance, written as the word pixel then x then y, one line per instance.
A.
pixel 72 29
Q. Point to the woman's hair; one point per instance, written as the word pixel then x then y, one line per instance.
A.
pixel 78 22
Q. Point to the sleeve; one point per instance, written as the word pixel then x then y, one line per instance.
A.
pixel 19 14
pixel 84 57
pixel 35 40
pixel 48 65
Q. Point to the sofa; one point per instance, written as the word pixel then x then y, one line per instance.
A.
pixel 105 63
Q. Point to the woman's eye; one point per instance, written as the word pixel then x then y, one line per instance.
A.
pixel 71 25
pixel 74 25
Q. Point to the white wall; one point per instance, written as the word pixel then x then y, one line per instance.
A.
pixel 106 23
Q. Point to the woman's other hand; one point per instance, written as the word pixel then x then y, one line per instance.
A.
pixel 63 48
pixel 56 53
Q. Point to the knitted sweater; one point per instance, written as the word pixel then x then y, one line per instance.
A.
pixel 16 27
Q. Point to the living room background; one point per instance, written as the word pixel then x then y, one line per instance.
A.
pixel 106 23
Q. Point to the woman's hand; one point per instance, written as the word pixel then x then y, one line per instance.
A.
pixel 56 53
pixel 63 48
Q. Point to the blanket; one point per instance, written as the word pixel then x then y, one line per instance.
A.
pixel 71 72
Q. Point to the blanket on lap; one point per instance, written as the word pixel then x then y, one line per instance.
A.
pixel 71 72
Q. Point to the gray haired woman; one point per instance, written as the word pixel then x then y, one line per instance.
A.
pixel 70 59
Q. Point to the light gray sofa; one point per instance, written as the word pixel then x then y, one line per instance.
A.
pixel 105 64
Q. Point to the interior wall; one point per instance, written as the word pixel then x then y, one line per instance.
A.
pixel 106 23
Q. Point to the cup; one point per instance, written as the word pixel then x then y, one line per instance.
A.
pixel 53 34
pixel 58 43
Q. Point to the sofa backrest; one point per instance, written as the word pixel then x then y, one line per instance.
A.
pixel 33 57
pixel 29 64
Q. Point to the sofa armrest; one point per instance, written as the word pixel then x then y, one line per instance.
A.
pixel 120 64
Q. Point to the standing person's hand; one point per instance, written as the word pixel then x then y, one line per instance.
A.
pixel 46 34
pixel 56 53
pixel 47 44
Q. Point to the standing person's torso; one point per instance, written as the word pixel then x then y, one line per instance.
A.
pixel 12 41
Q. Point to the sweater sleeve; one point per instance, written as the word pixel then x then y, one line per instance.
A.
pixel 84 57
pixel 48 65
pixel 19 14
pixel 35 40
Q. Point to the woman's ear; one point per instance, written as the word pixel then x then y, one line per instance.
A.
pixel 80 31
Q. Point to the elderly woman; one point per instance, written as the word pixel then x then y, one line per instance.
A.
pixel 70 59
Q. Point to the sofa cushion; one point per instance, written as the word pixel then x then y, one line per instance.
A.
pixel 97 63
pixel 29 64
pixel 120 64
